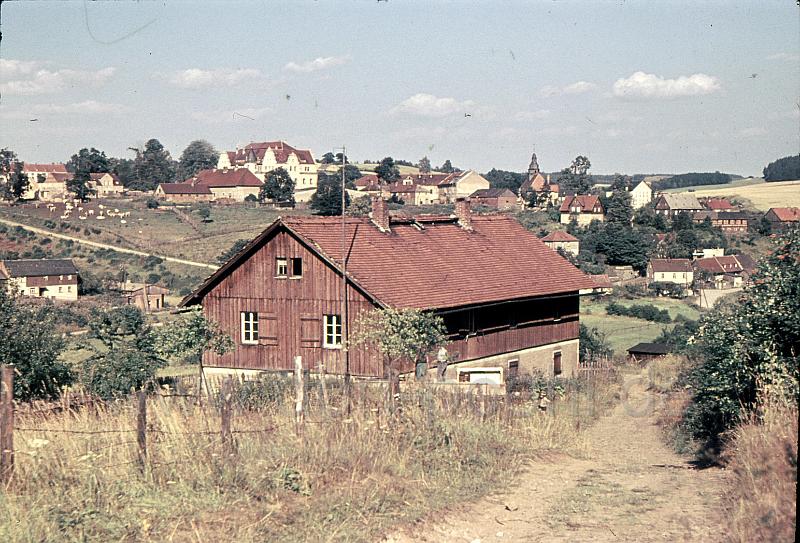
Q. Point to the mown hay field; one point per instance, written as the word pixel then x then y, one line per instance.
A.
pixel 761 196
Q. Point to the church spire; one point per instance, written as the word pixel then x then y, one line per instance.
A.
pixel 533 169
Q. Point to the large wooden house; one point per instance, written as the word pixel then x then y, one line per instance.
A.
pixel 509 303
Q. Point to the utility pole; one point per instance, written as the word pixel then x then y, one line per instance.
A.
pixel 344 321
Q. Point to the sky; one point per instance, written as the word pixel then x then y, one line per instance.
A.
pixel 638 87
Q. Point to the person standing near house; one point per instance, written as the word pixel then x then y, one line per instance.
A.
pixel 544 401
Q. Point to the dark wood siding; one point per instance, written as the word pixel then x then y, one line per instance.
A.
pixel 291 314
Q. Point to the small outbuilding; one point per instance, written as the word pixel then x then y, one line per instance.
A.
pixel 562 240
pixel 644 352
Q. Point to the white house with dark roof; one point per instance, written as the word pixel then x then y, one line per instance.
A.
pixel 46 278
pixel 641 195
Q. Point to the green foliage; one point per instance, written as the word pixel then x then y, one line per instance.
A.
pixel 502 179
pixel 153 165
pixel 16 182
pixel 618 208
pixel 189 336
pixel 400 334
pixel 447 167
pixel 237 246
pixel 387 170
pixel 679 337
pixel 360 207
pixel 576 178
pixel 327 200
pixel 639 311
pixel 783 169
pixel 327 158
pixel 152 203
pixel 662 288
pixel 749 349
pixel 79 186
pixel 692 179
pixel 29 341
pixel 88 161
pixel 424 165
pixel 593 344
pixel 198 155
pixel 278 188
pixel 646 216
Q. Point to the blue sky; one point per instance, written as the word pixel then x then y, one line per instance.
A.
pixel 636 86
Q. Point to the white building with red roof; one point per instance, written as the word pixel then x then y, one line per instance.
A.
pixel 565 241
pixel 213 185
pixel 263 157
pixel 583 208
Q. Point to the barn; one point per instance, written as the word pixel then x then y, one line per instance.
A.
pixel 507 300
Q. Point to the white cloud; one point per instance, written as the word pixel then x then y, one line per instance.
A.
pixel 87 107
pixel 196 78
pixel 319 63
pixel 40 81
pixel 428 105
pixel 643 85
pixel 792 57
pixel 579 87
pixel 10 68
pixel 230 115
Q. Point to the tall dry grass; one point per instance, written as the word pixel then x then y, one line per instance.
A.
pixel 347 478
pixel 763 458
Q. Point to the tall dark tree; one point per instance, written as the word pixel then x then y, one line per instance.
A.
pixel 447 167
pixel 13 182
pixel 618 208
pixel 198 155
pixel 278 188
pixel 327 158
pixel 783 169
pixel 125 169
pixel 502 179
pixel 153 165
pixel 576 177
pixel 328 198
pixel 79 186
pixel 89 161
pixel 387 170
pixel 621 182
pixel 424 165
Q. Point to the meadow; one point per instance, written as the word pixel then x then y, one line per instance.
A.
pixel 755 195
pixel 345 475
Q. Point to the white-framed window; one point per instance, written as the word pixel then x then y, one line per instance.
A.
pixel 249 327
pixel 332 331
pixel 281 267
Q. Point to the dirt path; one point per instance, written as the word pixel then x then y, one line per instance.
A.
pixel 82 241
pixel 632 488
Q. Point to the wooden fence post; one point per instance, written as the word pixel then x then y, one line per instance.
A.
pixel 141 428
pixel 225 413
pixel 299 391
pixel 6 424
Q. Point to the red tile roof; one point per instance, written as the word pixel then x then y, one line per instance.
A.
pixel 240 177
pixel 430 263
pixel 184 188
pixel 559 235
pixel 726 264
pixel 661 265
pixel 255 152
pixel 44 168
pixel 537 184
pixel 367 180
pixel 602 281
pixel 493 193
pixel 787 214
pixel 586 202
pixel 719 204
pixel 114 179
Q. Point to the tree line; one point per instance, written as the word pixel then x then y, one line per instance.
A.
pixel 783 169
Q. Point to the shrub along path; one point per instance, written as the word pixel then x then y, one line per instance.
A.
pixel 631 487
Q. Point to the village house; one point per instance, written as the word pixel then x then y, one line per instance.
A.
pixel 583 208
pixel 413 194
pixel 670 205
pixel 283 294
pixel 39 187
pixel 537 184
pixel 721 272
pixel 46 278
pixel 717 204
pixel 263 157
pixel 496 198
pixel 148 298
pixel 781 218
pixel 212 185
pixel 558 239
pixel 641 195
pixel 727 221
pixel 106 185
pixel 368 183
pixel 427 188
pixel 670 270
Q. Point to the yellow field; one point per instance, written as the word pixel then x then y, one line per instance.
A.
pixel 761 196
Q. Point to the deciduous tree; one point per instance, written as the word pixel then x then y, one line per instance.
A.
pixel 153 165
pixel 327 200
pixel 198 155
pixel 424 165
pixel 387 170
pixel 277 188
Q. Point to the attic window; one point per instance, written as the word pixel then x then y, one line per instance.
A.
pixel 281 267
pixel 296 267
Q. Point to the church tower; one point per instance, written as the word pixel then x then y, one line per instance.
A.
pixel 533 169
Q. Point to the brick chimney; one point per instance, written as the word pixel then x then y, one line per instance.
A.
pixel 463 213
pixel 380 213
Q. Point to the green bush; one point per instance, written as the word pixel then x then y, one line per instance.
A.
pixel 639 311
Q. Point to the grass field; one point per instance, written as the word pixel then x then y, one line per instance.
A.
pixel 755 195
pixel 625 332
pixel 738 183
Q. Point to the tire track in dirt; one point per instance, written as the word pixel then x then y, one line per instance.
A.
pixel 632 487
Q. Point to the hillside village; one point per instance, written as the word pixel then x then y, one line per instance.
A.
pixel 399 272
